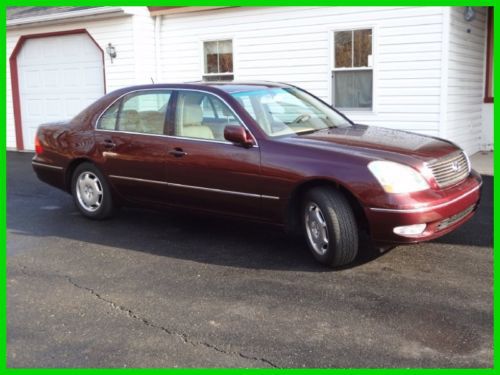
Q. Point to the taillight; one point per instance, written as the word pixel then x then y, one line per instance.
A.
pixel 38 146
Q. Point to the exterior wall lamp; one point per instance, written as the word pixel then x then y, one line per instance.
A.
pixel 111 51
pixel 469 14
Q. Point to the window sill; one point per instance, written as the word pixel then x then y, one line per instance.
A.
pixel 357 111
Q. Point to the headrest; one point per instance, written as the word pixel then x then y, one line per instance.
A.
pixel 129 117
pixel 192 114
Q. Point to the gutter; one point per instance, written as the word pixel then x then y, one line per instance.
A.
pixel 161 11
pixel 48 18
pixel 445 64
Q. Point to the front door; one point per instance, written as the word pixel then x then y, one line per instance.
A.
pixel 204 171
pixel 133 146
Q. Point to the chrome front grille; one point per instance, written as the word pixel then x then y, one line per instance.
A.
pixel 451 169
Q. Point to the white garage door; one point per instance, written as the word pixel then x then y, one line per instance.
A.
pixel 58 77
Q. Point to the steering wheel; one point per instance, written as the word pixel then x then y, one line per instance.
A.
pixel 300 118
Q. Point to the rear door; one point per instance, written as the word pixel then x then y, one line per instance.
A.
pixel 133 147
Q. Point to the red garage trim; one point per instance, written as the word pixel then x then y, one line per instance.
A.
pixel 488 94
pixel 14 76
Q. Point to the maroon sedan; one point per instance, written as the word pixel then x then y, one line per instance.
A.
pixel 261 151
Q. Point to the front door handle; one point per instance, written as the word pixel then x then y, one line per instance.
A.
pixel 109 144
pixel 178 152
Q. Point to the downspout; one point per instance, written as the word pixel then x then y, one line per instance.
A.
pixel 157 47
pixel 445 63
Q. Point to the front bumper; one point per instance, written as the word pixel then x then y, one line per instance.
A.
pixel 442 211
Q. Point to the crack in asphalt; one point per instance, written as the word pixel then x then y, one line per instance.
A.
pixel 185 339
pixel 182 336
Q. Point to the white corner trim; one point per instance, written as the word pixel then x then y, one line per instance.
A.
pixel 64 15
pixel 445 61
pixel 157 43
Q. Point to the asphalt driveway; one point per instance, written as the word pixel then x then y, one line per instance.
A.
pixel 149 289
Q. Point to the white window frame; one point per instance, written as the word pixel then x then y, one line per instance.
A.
pixel 373 68
pixel 202 60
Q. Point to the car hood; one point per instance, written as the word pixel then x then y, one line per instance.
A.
pixel 377 142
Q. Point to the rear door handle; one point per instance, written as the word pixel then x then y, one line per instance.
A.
pixel 109 144
pixel 178 152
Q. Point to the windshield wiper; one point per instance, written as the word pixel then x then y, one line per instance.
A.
pixel 311 131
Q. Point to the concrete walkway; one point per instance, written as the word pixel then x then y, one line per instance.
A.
pixel 483 162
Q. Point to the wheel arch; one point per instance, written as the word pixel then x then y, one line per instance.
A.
pixel 71 168
pixel 292 218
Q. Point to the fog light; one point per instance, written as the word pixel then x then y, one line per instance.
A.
pixel 410 229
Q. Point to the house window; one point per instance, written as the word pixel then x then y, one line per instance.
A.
pixel 353 69
pixel 488 95
pixel 218 60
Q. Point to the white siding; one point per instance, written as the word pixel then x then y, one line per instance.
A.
pixel 466 79
pixel 293 44
pixel 132 65
pixel 144 47
pixel 428 71
pixel 488 124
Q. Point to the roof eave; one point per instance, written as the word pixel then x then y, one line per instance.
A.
pixel 161 11
pixel 66 16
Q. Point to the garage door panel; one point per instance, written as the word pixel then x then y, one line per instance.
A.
pixel 51 51
pixel 92 77
pixel 75 105
pixel 58 77
pixel 34 108
pixel 72 77
pixel 32 79
pixel 52 107
pixel 50 78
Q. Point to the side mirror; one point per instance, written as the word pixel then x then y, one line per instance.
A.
pixel 239 135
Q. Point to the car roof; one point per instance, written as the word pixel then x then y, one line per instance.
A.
pixel 229 87
pixel 232 87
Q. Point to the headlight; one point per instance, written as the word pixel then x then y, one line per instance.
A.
pixel 397 178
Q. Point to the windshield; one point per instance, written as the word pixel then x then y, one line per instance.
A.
pixel 282 111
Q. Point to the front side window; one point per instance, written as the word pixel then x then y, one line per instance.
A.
pixel 144 112
pixel 283 111
pixel 218 60
pixel 353 70
pixel 202 115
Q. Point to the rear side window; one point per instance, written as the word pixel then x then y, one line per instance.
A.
pixel 139 112
pixel 108 119
pixel 144 112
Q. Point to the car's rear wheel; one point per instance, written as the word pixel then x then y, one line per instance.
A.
pixel 330 226
pixel 91 192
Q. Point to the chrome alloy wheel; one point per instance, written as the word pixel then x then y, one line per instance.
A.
pixel 89 191
pixel 316 228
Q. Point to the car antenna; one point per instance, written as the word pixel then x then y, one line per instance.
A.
pixel 152 80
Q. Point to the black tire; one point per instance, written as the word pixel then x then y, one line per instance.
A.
pixel 339 222
pixel 104 207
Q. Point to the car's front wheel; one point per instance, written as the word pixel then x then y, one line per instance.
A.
pixel 91 192
pixel 330 226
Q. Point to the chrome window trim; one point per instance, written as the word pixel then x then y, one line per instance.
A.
pixel 427 208
pixel 172 136
pixel 167 136
pixel 231 192
pixel 46 165
pixel 128 132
